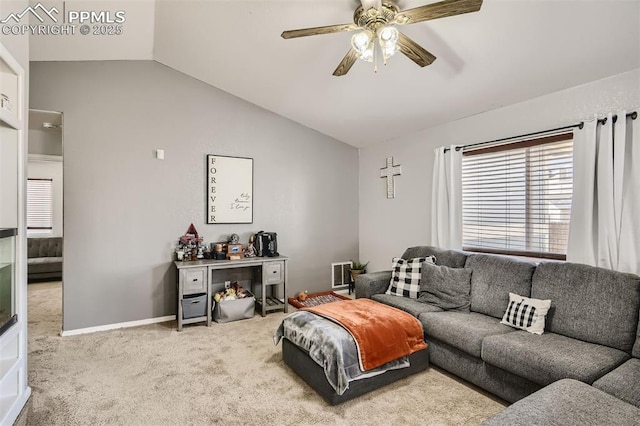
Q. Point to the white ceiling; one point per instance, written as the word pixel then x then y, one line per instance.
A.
pixel 135 41
pixel 509 51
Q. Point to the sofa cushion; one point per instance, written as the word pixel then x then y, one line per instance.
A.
pixel 372 283
pixel 447 288
pixel 44 247
pixel 44 264
pixel 464 331
pixel 623 382
pixel 567 403
pixel 411 306
pixel 549 357
pixel 450 258
pixel 406 275
pixel 493 278
pixel 593 304
pixel 526 313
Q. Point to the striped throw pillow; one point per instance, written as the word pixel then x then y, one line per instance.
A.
pixel 526 314
pixel 405 276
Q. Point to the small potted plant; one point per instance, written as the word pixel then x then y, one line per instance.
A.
pixel 357 268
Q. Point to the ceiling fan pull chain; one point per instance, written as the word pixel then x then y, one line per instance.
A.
pixel 384 57
pixel 375 59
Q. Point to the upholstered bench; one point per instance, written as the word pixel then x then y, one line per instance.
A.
pixel 568 402
pixel 383 345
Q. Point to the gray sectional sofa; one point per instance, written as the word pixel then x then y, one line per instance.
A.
pixel 568 402
pixel 44 258
pixel 591 333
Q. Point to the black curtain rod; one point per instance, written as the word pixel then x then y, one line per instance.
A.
pixel 580 125
pixel 633 116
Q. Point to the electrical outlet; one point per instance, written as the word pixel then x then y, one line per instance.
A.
pixel 227 284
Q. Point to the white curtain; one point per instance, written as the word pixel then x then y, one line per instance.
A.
pixel 446 199
pixel 604 228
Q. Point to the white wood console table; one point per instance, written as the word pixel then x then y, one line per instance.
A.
pixel 196 278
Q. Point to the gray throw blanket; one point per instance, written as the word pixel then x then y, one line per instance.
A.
pixel 331 347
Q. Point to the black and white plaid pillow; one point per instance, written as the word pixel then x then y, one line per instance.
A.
pixel 405 276
pixel 526 314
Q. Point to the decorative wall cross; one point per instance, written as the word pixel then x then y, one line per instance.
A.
pixel 388 173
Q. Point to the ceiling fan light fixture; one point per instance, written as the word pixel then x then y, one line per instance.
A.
pixel 388 35
pixel 362 43
pixel 388 39
pixel 376 19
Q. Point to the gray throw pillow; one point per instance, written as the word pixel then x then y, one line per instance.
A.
pixel 446 288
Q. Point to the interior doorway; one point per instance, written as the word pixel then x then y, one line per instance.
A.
pixel 45 187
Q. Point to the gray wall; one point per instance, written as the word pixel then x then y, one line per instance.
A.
pixel 125 210
pixel 410 211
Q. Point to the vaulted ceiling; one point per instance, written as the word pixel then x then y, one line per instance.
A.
pixel 508 52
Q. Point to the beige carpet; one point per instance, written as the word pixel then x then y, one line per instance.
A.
pixel 227 374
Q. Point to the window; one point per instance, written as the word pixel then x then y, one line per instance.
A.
pixel 40 204
pixel 516 198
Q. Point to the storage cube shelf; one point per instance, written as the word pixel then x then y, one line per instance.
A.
pixel 273 275
pixel 194 306
pixel 194 296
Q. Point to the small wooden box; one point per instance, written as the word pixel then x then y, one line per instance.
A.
pixel 235 248
pixel 235 251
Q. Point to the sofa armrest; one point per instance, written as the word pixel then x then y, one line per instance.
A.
pixel 374 283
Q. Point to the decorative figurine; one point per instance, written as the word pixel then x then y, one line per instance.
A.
pixel 251 247
pixel 302 296
pixel 190 245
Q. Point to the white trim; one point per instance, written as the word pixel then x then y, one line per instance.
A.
pixel 107 327
pixel 43 157
pixel 45 110
pixel 35 233
pixel 16 408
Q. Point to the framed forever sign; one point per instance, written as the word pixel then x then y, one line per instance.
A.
pixel 229 189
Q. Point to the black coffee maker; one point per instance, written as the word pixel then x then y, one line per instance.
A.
pixel 267 244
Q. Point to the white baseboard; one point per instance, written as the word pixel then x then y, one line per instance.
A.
pixel 65 333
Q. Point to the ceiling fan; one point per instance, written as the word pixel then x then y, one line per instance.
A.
pixel 376 19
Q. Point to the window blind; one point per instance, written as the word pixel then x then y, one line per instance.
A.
pixel 516 198
pixel 39 203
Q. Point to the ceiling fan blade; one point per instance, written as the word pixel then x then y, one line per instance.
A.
pixel 414 51
pixel 437 10
pixel 347 62
pixel 319 30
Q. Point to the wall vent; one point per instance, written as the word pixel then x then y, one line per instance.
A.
pixel 340 274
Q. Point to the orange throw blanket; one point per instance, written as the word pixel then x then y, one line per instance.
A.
pixel 382 333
